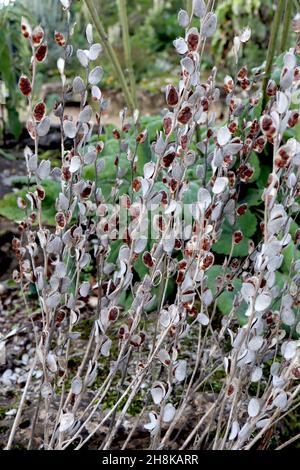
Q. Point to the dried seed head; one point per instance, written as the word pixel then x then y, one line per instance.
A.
pixel 39 111
pixel 126 128
pixel 25 85
pixel 297 237
pixel 37 36
pixel 142 136
pixel 193 41
pixel 41 52
pixel 113 314
pixel 168 159
pixel 282 158
pixel 40 192
pixel 293 119
pixel 180 277
pixel 60 220
pixel 26 28
pixel 238 237
pixel 184 115
pixel 207 261
pixel 59 39
pixel 148 260
pixel 172 97
pixel 246 84
pixel 271 88
pixel 243 73
pixel 266 124
pixel 228 84
pixel 136 185
pixel 116 134
pixel 233 126
pixel 245 172
pixel 241 210
pixel 167 124
pixel 259 144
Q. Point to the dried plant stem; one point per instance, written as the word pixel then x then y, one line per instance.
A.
pixel 290 441
pixel 272 48
pixel 127 48
pixel 198 425
pixel 111 53
pixel 286 25
pixel 21 405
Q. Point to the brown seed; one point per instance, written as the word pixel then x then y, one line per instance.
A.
pixel 40 192
pixel 193 41
pixel 293 119
pixel 241 210
pixel 39 111
pixel 207 261
pixel 116 134
pixel 243 73
pixel 37 35
pixel 142 136
pixel 184 115
pixel 180 277
pixel 271 88
pixel 41 52
pixel 136 185
pixel 237 237
pixel 266 123
pixel 172 96
pixel 60 220
pixel 168 159
pixel 113 314
pixel 148 260
pixel 25 85
pixel 167 124
pixel 59 39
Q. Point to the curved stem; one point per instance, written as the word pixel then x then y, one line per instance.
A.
pixel 127 49
pixel 111 53
pixel 21 405
pixel 271 49
pixel 286 25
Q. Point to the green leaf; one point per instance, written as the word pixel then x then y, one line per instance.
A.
pixel 225 300
pixel 290 254
pixel 10 210
pixel 247 224
pixel 253 197
pixel 255 164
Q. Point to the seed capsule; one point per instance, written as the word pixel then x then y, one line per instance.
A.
pixel 39 111
pixel 59 39
pixel 172 96
pixel 25 85
pixel 41 52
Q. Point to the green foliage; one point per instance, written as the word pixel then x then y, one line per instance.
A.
pixel 13 55
pixel 247 224
pixel 9 209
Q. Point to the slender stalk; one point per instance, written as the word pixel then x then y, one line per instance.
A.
pixel 286 25
pixel 290 441
pixel 272 48
pixel 127 48
pixel 21 405
pixel 189 6
pixel 111 53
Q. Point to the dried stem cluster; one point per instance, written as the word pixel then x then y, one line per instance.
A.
pixel 168 355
